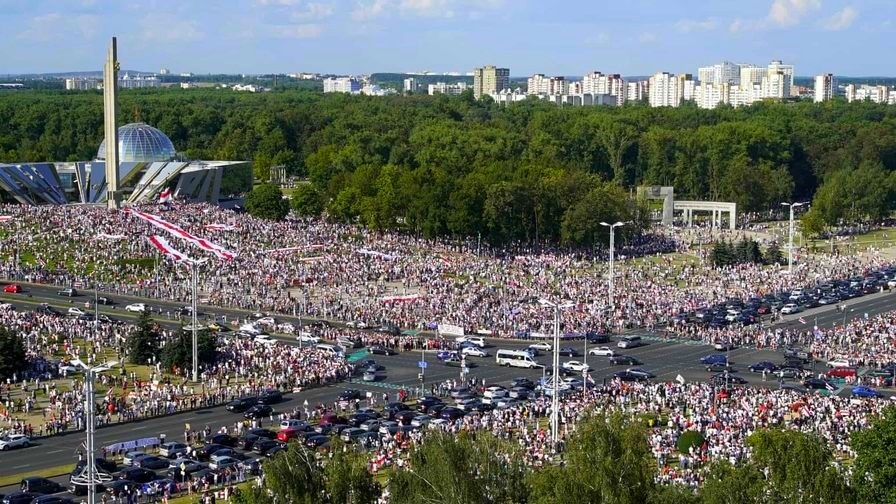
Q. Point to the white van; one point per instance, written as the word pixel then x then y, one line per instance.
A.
pixel 294 424
pixel 516 358
pixel 331 349
pixel 629 342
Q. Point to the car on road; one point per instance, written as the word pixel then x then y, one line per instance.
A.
pixel 797 353
pixel 380 350
pixel 350 395
pixel 258 411
pixel 474 351
pixel 790 373
pixel 103 300
pixel 242 404
pixel 641 372
pixel 577 366
pixel 716 367
pixel 723 378
pixel 624 360
pixel 151 462
pixel 370 363
pixel 475 340
pixel 173 449
pixel 446 354
pixel 52 499
pixel 40 485
pixel 136 307
pixel 629 342
pixel 74 311
pixel 12 289
pixel 494 391
pixel 818 384
pixel 369 376
pixel 568 352
pixel 723 346
pixel 627 376
pixel 20 498
pixel 842 372
pixel 602 352
pixel 838 363
pixel 131 457
pixel 251 328
pixel 47 309
pixel 270 396
pixel 14 441
pixel 307 337
pixel 357 324
pixel 541 346
pixel 67 292
pixel 714 359
pixel 791 308
pixel 863 391
pixel 761 366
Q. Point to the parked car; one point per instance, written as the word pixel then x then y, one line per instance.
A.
pixel 136 307
pixel 173 449
pixel 714 359
pixel 624 360
pixel 270 396
pixel 12 289
pixel 763 366
pixel 863 391
pixel 242 404
pixel 838 363
pixel 40 485
pixel 67 292
pixel 380 350
pixel 11 441
pixel 602 352
pixel 258 411
pixel 577 366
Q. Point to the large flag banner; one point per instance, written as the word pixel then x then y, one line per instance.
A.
pixel 162 244
pixel 179 232
pixel 165 195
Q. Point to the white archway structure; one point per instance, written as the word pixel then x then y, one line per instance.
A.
pixel 716 207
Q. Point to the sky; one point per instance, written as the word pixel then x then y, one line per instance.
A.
pixel 555 37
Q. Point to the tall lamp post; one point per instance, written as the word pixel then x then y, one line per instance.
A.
pixel 790 234
pixel 194 283
pixel 612 252
pixel 555 397
pixel 90 475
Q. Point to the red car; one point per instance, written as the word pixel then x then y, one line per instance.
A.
pixel 843 372
pixel 13 288
pixel 286 434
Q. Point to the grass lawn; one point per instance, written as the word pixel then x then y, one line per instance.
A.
pixel 50 472
pixel 881 238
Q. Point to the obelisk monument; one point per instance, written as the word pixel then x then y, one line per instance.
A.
pixel 110 103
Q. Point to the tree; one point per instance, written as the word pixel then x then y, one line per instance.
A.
pixel 13 359
pixel 307 201
pixel 178 351
pixel 461 469
pixel 722 254
pixel 874 470
pixel 265 201
pixel 292 476
pixel 773 254
pixel 142 344
pixel 799 468
pixel 347 479
pixel 726 483
pixel 608 460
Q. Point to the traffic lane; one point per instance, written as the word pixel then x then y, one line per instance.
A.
pixel 62 449
pixel 827 316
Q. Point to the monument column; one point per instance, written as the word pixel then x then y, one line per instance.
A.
pixel 110 100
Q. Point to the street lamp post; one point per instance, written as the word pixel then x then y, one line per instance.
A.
pixel 790 235
pixel 555 396
pixel 612 252
pixel 90 475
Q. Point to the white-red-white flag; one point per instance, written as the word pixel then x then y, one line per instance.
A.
pixel 165 195
pixel 179 232
pixel 164 247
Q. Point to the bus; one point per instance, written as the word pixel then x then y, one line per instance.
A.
pixel 517 358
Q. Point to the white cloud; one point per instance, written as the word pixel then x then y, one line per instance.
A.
pixel 789 12
pixel 736 26
pixel 647 38
pixel 281 3
pixel 54 26
pixel 427 8
pixel 691 25
pixel 365 11
pixel 313 11
pixel 299 31
pixel 841 20
pixel 169 28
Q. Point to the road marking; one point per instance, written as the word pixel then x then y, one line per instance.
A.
pixel 55 451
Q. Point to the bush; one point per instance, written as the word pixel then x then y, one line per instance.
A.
pixel 266 202
pixel 687 439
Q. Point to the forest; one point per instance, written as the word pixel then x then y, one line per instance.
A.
pixel 532 172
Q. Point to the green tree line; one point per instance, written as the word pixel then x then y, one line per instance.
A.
pixel 439 165
pixel 606 460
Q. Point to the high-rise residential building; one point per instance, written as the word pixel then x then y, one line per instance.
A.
pixel 722 73
pixel 411 85
pixel 635 91
pixel 82 84
pixel 490 79
pixel 136 82
pixel 575 88
pixel 751 75
pixel 597 83
pixel 558 86
pixel 850 92
pixel 686 86
pixel 663 90
pixel 778 70
pixel 447 89
pixel 342 85
pixel 538 84
pixel 824 87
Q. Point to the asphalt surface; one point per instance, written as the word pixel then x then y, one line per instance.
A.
pixel 666 359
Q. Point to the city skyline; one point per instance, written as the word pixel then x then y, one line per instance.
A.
pixel 363 36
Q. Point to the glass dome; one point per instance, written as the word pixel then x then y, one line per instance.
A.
pixel 139 142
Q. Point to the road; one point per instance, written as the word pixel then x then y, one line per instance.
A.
pixel 666 359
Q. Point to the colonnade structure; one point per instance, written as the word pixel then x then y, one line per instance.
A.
pixel 686 208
